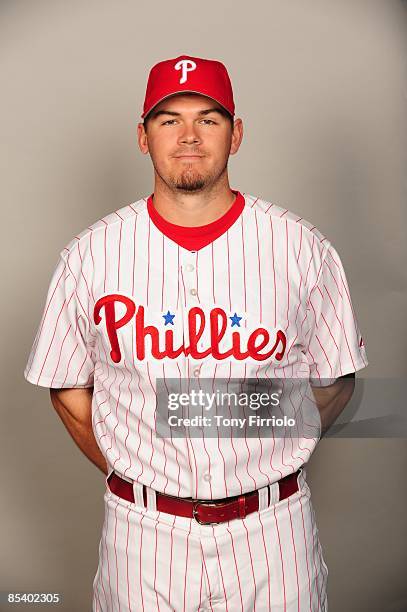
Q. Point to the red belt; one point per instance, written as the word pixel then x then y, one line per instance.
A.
pixel 204 512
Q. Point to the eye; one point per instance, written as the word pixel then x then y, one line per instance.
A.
pixel 168 121
pixel 209 121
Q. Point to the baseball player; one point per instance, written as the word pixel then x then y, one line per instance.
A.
pixel 198 282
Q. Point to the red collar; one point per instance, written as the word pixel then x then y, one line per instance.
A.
pixel 195 238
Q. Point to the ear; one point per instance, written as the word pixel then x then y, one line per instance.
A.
pixel 237 136
pixel 142 138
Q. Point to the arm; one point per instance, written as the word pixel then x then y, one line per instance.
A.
pixel 74 407
pixel 332 400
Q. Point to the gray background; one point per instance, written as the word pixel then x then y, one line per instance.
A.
pixel 321 88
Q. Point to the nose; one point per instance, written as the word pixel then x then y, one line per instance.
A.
pixel 189 134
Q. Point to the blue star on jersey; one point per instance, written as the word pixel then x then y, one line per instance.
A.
pixel 168 318
pixel 235 320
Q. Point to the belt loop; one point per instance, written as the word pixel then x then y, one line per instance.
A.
pixel 274 493
pixel 301 478
pixel 151 499
pixel 263 498
pixel 138 494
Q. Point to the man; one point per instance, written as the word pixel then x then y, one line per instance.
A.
pixel 197 283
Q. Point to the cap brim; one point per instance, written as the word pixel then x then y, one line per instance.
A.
pixel 179 93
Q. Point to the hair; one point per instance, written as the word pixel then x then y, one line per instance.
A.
pixel 221 109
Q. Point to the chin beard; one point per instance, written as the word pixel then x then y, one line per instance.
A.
pixel 195 184
pixel 189 181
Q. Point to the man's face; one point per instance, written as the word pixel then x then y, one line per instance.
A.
pixel 189 141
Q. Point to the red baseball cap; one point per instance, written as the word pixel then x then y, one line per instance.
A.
pixel 189 74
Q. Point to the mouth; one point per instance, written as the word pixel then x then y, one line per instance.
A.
pixel 188 157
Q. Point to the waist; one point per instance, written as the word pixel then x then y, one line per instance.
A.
pixel 205 511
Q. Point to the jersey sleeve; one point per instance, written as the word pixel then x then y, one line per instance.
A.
pixel 334 345
pixel 61 355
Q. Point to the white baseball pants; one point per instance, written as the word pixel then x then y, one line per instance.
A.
pixel 270 561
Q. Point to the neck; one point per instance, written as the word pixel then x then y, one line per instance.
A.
pixel 193 209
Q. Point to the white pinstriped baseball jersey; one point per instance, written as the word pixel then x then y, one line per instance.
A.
pixel 127 305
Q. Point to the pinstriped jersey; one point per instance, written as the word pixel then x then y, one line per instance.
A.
pixel 128 306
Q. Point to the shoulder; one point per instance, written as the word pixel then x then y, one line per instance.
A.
pixel 286 222
pixel 96 232
pixel 280 216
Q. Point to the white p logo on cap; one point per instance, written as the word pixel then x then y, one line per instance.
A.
pixel 186 66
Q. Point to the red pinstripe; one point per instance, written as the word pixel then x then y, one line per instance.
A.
pixel 204 445
pixel 259 270
pixel 105 260
pixel 84 310
pixel 295 551
pixel 261 445
pixel 326 356
pixel 172 544
pixel 340 323
pixel 306 555
pixel 141 559
pixel 82 274
pixel 244 270
pixel 251 564
pixel 237 571
pixel 227 243
pixel 219 447
pixel 274 273
pixel 138 429
pixel 196 276
pixel 107 434
pixel 281 557
pixel 207 577
pixel 93 262
pixel 200 588
pixel 80 369
pixel 231 437
pixel 287 278
pixel 127 415
pixel 52 339
pixel 134 255
pixel 59 355
pixel 118 267
pixel 155 428
pixel 299 248
pixel 155 567
pixel 44 317
pixel 316 571
pixel 115 554
pixel 183 284
pixel 220 570
pixel 186 565
pixel 267 559
pixel 108 565
pixel 310 262
pixel 127 561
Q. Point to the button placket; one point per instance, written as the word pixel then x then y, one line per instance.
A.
pixel 191 292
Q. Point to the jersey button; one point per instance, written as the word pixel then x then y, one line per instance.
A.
pixel 189 267
pixel 196 372
pixel 193 291
pixel 207 477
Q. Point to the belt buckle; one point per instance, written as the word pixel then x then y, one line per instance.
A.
pixel 197 502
